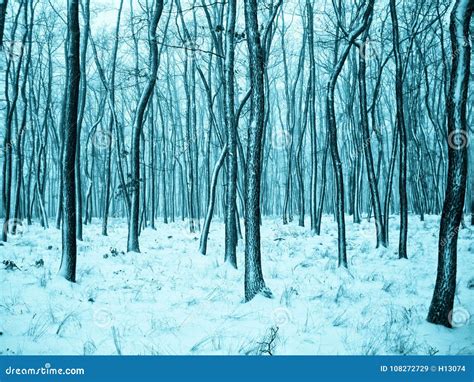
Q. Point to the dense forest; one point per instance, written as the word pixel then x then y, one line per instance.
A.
pixel 229 130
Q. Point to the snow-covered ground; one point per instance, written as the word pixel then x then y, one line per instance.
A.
pixel 171 300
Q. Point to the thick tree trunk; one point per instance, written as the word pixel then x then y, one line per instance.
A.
pixel 254 282
pixel 69 248
pixel 441 308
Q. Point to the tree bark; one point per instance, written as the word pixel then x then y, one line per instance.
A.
pixel 80 117
pixel 133 224
pixel 441 308
pixel 231 175
pixel 67 268
pixel 212 199
pixel 400 121
pixel 332 134
pixel 254 282
pixel 367 147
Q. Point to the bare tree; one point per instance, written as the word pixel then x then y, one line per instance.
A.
pixel 366 144
pixel 11 107
pixel 133 224
pixel 400 121
pixel 112 122
pixel 3 12
pixel 231 176
pixel 67 268
pixel 332 133
pixel 441 308
pixel 254 282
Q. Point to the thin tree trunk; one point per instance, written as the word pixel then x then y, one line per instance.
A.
pixel 369 161
pixel 212 199
pixel 332 134
pixel 133 224
pixel 231 176
pixel 402 245
pixel 82 105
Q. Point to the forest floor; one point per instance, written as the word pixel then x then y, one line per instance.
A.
pixel 171 300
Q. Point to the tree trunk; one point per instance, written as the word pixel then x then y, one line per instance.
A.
pixel 8 140
pixel 332 134
pixel 69 248
pixel 402 245
pixel 82 105
pixel 254 282
pixel 212 199
pixel 369 161
pixel 133 224
pixel 231 176
pixel 441 308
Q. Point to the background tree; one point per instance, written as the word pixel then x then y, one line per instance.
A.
pixel 231 132
pixel 133 227
pixel 400 123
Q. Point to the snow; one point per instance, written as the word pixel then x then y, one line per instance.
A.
pixel 171 300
